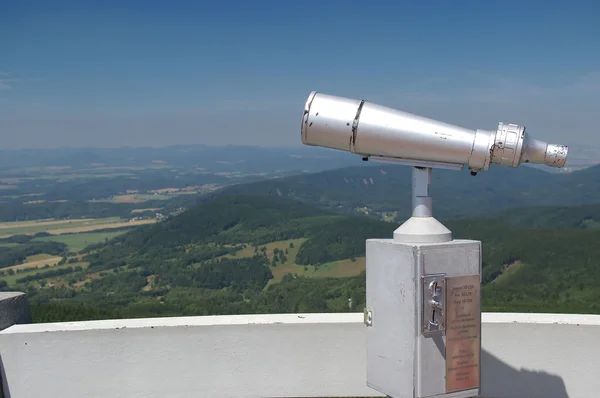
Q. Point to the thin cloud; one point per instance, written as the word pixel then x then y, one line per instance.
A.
pixel 4 84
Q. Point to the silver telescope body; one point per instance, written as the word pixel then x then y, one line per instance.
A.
pixel 372 130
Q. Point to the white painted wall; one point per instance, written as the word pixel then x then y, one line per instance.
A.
pixel 310 355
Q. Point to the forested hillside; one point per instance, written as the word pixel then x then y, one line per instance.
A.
pixel 238 254
pixel 383 188
pixel 583 216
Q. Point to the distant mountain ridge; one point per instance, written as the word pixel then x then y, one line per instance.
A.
pixel 387 188
pixel 213 158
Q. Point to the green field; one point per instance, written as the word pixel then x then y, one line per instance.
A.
pixel 508 272
pixel 77 242
pixel 38 257
pixel 590 224
pixel 334 269
pixel 12 279
pixel 46 175
pixel 134 198
pixel 142 196
pixel 153 209
pixel 33 227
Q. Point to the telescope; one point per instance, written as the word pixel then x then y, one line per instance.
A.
pixel 381 133
pixel 423 288
pixel 385 134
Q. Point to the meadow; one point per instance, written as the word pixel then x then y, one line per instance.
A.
pixel 59 227
pixel 289 248
pixel 75 234
pixel 141 197
pixel 33 227
pixel 11 280
pixel 36 261
pixel 79 241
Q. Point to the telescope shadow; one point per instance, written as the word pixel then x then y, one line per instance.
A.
pixel 500 380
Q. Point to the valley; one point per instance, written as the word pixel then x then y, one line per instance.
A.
pixel 260 254
pixel 144 246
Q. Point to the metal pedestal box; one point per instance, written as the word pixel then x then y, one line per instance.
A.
pixel 423 318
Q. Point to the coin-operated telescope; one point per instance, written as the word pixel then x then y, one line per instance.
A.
pixel 423 287
pixel 374 130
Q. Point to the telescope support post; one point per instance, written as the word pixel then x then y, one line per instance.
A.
pixel 421 197
pixel 422 227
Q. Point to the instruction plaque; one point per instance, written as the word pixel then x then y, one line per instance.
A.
pixel 463 332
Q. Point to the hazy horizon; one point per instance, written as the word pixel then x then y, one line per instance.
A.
pixel 154 74
pixel 292 146
pixel 579 156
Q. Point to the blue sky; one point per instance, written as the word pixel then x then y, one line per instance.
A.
pixel 114 73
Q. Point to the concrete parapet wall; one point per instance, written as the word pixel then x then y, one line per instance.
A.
pixel 290 355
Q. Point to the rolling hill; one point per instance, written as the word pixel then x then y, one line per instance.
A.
pixel 386 188
pixel 253 254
